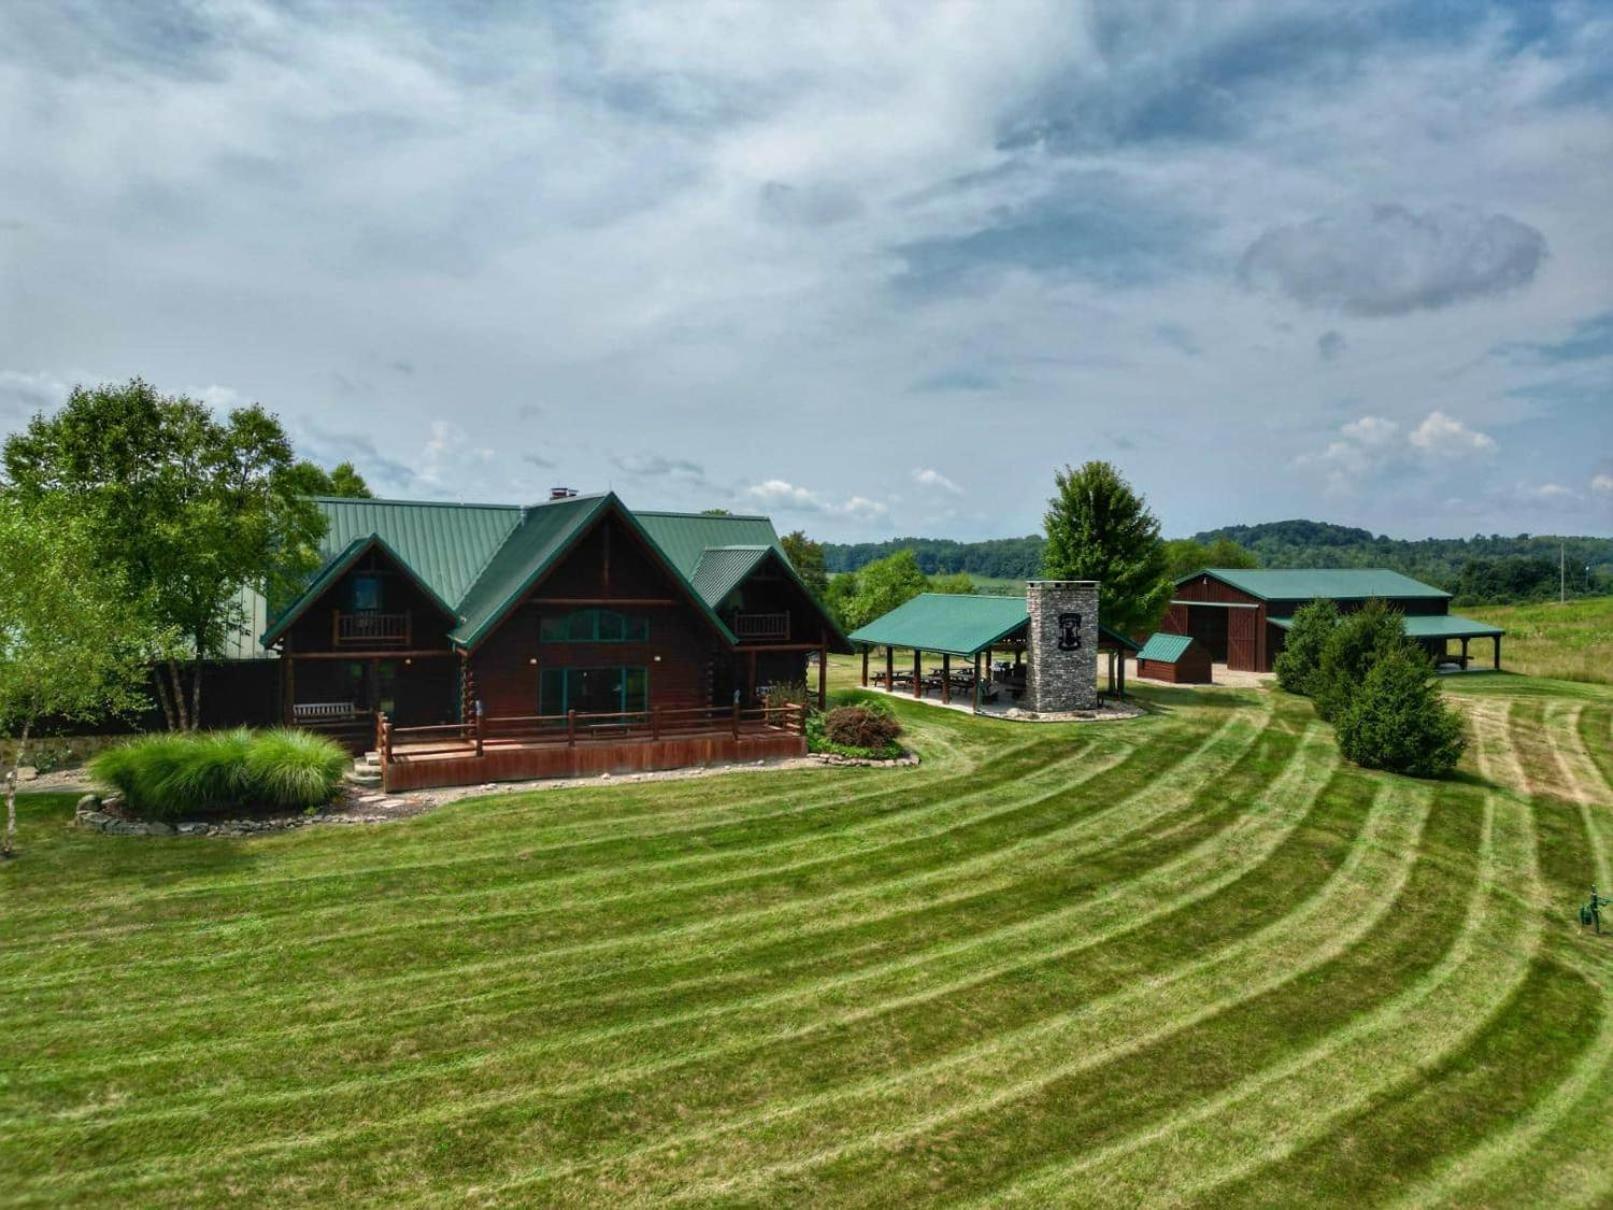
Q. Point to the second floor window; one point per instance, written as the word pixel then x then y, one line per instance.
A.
pixel 593 626
pixel 365 594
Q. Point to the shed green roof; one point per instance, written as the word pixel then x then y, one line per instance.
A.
pixel 1310 583
pixel 957 624
pixel 1165 648
pixel 1434 626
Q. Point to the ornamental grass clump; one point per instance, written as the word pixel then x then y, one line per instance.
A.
pixel 172 776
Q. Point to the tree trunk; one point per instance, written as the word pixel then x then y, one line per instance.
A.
pixel 8 845
pixel 196 694
pixel 179 695
pixel 163 699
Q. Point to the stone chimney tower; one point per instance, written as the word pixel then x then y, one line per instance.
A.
pixel 1062 646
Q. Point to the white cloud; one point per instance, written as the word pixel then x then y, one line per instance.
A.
pixel 1602 485
pixel 779 494
pixel 1553 491
pixel 219 398
pixel 1370 430
pixel 1446 436
pixel 927 477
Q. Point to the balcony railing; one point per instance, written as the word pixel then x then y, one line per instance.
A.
pixel 762 626
pixel 368 628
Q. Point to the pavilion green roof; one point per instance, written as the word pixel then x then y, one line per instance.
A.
pixel 1165 648
pixel 956 624
pixel 1311 583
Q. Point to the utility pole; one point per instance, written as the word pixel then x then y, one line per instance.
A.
pixel 1562 573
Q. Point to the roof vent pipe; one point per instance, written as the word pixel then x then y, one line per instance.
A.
pixel 562 493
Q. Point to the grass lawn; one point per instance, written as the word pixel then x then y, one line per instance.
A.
pixel 1571 640
pixel 1188 959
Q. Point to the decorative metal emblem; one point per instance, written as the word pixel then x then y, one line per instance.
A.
pixel 1069 631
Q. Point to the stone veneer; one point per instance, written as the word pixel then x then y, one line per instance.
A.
pixel 1062 677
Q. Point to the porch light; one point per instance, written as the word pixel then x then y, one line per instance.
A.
pixel 533 660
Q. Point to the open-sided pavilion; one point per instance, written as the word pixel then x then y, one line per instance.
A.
pixel 972 630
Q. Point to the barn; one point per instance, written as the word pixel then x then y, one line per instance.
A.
pixel 1241 616
pixel 1174 658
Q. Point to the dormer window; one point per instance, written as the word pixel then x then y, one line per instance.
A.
pixel 364 595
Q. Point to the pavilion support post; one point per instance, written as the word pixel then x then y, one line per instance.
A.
pixel 978 689
pixel 865 667
pixel 890 669
pixel 946 679
pixel 918 674
pixel 1464 653
pixel 1122 676
pixel 1498 653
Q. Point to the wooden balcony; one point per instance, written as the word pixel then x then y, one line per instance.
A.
pixel 758 627
pixel 369 628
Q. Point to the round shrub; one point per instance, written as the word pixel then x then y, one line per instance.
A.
pixel 1397 720
pixel 862 726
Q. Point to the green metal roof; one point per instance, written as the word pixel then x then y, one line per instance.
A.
pixel 1434 626
pixel 446 545
pixel 477 560
pixel 1310 583
pixel 685 537
pixel 952 623
pixel 1165 648
pixel 957 624
pixel 722 569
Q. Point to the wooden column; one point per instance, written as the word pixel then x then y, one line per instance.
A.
pixel 1464 653
pixel 946 679
pixel 1498 653
pixel 823 677
pixel 918 675
pixel 750 677
pixel 865 667
pixel 978 689
pixel 890 669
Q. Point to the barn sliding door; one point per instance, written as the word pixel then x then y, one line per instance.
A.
pixel 1241 639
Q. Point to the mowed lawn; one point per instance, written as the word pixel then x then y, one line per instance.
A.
pixel 1190 959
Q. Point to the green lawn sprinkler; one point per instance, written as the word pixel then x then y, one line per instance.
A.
pixel 1591 913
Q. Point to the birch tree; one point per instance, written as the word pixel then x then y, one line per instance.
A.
pixel 73 644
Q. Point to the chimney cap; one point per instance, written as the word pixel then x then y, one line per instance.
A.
pixel 562 493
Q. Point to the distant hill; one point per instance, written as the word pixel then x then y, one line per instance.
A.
pixel 1496 568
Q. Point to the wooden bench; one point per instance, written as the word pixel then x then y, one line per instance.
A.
pixel 315 712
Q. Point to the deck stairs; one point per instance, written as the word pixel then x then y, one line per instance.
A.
pixel 366 772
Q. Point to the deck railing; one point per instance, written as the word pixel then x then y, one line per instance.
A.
pixel 582 727
pixel 367 628
pixel 761 626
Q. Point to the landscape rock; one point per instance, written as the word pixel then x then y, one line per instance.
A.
pixel 92 819
pixel 88 803
pixel 27 773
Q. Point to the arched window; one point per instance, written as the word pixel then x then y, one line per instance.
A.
pixel 593 626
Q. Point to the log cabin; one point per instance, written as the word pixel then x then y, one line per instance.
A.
pixel 438 618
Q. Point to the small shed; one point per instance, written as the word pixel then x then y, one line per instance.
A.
pixel 1175 658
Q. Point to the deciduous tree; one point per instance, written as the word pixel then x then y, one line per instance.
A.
pixel 188 508
pixel 1098 528
pixel 70 646
pixel 807 558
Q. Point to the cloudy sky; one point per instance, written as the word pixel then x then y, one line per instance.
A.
pixel 875 269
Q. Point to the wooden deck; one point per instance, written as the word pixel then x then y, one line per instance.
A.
pixel 528 749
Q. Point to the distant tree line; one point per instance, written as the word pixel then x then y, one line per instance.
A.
pixel 1482 569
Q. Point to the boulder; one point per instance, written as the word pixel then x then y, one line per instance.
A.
pixel 27 773
pixel 88 803
pixel 92 819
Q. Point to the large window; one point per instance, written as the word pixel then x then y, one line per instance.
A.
pixel 594 690
pixel 594 626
